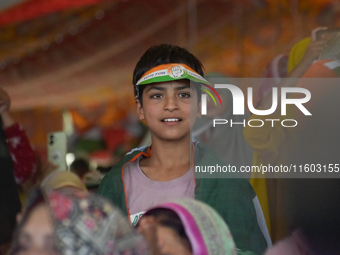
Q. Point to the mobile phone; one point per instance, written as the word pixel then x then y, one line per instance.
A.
pixel 326 34
pixel 57 149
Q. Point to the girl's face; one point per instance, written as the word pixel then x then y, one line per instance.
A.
pixel 162 240
pixel 36 236
pixel 170 243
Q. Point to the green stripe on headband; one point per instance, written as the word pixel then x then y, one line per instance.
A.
pixel 169 78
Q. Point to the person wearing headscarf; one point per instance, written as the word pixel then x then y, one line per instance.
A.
pixel 187 226
pixel 62 222
pixel 62 179
pixel 314 203
pixel 267 141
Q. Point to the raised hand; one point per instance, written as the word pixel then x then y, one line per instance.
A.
pixel 5 101
pixel 177 71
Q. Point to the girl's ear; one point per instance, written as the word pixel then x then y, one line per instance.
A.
pixel 139 110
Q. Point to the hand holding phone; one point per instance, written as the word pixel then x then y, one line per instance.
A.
pixel 326 33
pixel 57 149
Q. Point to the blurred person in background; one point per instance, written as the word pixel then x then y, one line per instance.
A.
pixel 55 180
pixel 186 226
pixel 18 162
pixel 80 167
pixel 63 223
pixel 23 157
pixel 62 180
pixel 34 233
pixel 314 206
pixel 314 203
pixel 267 140
pixel 90 178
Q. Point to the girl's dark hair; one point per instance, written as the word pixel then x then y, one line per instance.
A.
pixel 163 54
pixel 168 218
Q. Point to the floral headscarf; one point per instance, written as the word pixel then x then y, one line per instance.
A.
pixel 206 230
pixel 89 224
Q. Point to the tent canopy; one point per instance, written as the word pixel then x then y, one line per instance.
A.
pixel 64 53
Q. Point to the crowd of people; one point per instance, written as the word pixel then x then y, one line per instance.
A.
pixel 152 202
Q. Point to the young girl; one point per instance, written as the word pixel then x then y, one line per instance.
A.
pixel 74 223
pixel 187 227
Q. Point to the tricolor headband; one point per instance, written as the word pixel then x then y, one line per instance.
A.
pixel 169 72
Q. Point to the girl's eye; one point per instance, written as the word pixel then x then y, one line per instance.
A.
pixel 184 95
pixel 156 96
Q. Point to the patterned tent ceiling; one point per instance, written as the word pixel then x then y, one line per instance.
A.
pixel 82 52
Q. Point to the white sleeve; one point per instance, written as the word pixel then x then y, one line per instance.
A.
pixel 262 221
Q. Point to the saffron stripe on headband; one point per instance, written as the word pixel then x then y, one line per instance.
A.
pixel 170 72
